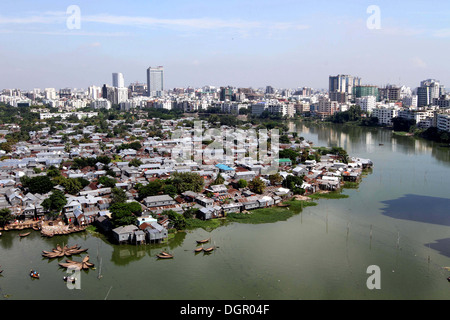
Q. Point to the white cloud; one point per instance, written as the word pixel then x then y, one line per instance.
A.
pixel 54 17
pixel 442 33
pixel 418 62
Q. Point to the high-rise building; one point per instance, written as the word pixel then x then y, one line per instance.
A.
pixel 390 93
pixel 155 81
pixel 365 91
pixel 429 89
pixel 270 90
pixel 226 93
pixel 343 84
pixel 367 103
pixel 117 80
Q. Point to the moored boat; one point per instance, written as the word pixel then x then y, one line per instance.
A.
pixel 164 256
pixel 204 241
pixel 24 234
pixel 199 249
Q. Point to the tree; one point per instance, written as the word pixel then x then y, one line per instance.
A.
pixel 135 162
pixel 170 190
pixel 289 153
pixel 341 153
pixel 178 220
pixel 219 180
pixel 256 185
pixel 190 213
pixel 242 183
pixel 39 184
pixel 55 202
pixel 118 195
pixel 402 124
pixel 6 146
pixel 107 182
pixel 284 139
pixel 135 208
pixel 53 172
pixel 121 215
pixel 151 189
pixel 5 216
pixel 72 186
pixel 275 179
pixel 185 181
pixel 294 184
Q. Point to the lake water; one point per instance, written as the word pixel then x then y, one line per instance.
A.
pixel 398 220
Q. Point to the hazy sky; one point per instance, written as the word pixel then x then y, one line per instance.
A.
pixel 240 43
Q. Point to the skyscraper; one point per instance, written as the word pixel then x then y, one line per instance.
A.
pixel 342 84
pixel 429 89
pixel 117 80
pixel 155 81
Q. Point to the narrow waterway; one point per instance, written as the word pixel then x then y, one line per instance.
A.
pixel 398 220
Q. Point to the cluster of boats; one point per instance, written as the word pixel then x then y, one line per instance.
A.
pixel 165 255
pixel 202 242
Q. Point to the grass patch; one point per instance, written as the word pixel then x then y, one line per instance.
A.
pixel 402 133
pixel 351 185
pixel 328 195
pixel 272 214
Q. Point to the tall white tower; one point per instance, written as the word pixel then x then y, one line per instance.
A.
pixel 155 81
pixel 117 80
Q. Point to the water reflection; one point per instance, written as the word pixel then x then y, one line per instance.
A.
pixel 125 254
pixel 373 139
pixel 441 245
pixel 419 208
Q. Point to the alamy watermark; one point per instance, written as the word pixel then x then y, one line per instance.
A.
pixel 73 279
pixel 374 280
pixel 216 145
pixel 374 20
pixel 74 19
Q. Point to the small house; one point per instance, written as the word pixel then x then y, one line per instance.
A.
pixel 159 201
pixel 124 234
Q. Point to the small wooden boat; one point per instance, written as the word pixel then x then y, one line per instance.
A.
pixel 204 241
pixel 34 274
pixel 199 249
pixel 24 234
pixel 208 250
pixel 164 256
pixel 163 253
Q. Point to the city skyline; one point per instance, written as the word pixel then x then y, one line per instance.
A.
pixel 285 44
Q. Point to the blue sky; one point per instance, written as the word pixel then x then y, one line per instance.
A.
pixel 240 43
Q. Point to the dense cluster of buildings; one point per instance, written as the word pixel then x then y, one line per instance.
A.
pixel 428 104
pixel 159 161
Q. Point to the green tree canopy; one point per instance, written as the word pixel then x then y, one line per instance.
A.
pixel 242 183
pixel 122 214
pixel 5 216
pixel 55 202
pixel 178 220
pixel 118 195
pixel 38 184
pixel 107 182
pixel 256 185
pixel 185 181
